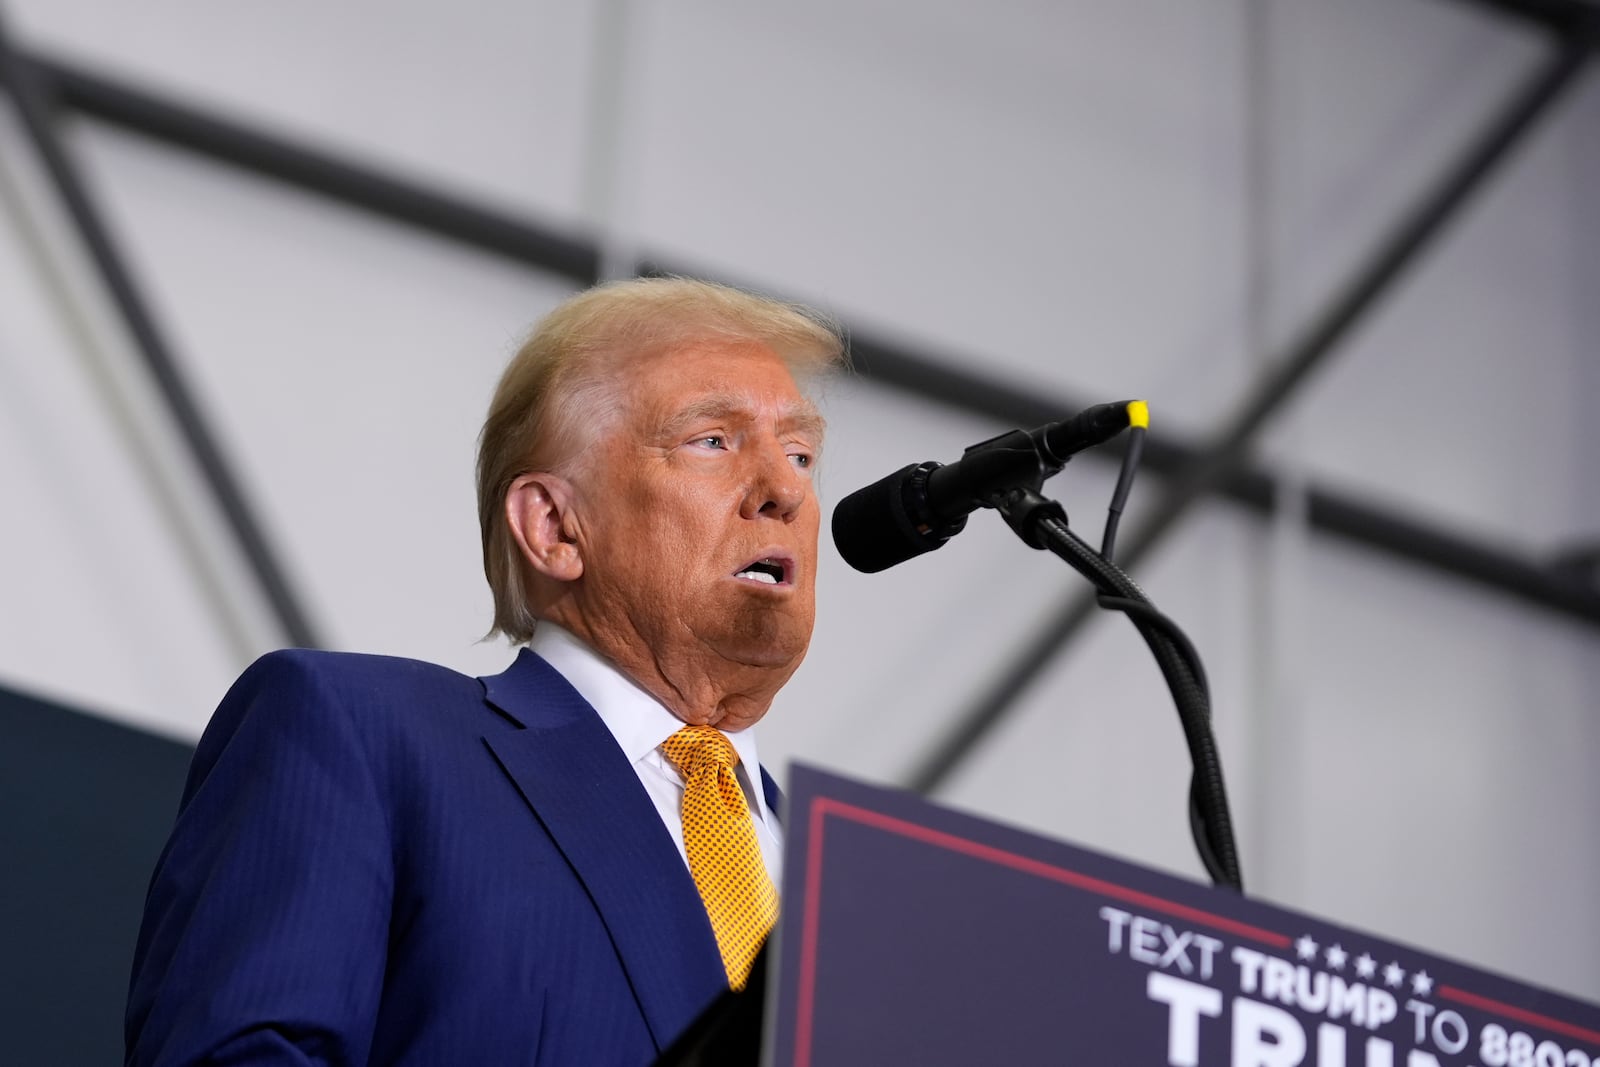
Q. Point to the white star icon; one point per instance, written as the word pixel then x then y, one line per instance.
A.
pixel 1393 975
pixel 1306 947
pixel 1366 966
pixel 1336 957
pixel 1421 983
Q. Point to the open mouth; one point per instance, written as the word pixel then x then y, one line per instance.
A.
pixel 769 570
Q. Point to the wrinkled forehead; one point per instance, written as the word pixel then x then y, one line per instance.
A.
pixel 686 383
pixel 626 394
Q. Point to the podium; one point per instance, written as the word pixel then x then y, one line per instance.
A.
pixel 912 934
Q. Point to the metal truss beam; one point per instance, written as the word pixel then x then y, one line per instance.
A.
pixel 1577 20
pixel 344 181
pixel 878 360
pixel 1555 584
pixel 34 91
pixel 1224 459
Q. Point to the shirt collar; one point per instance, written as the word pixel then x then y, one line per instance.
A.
pixel 636 719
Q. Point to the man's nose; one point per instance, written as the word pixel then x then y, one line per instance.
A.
pixel 778 488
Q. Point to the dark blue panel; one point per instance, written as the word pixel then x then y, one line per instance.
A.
pixel 85 806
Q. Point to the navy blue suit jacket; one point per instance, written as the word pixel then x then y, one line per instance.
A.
pixel 382 861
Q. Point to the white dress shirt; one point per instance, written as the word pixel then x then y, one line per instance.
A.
pixel 640 723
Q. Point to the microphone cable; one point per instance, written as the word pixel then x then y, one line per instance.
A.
pixel 1042 523
pixel 1138 426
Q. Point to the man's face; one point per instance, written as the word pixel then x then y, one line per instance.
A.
pixel 697 516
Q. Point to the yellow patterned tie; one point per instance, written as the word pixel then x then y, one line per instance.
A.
pixel 724 856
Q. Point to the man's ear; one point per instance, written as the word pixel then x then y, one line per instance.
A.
pixel 538 512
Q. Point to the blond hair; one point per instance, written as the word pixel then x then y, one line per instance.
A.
pixel 552 391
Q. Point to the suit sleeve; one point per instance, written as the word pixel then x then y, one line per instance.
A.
pixel 266 925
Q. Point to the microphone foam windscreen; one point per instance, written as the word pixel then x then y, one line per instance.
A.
pixel 872 528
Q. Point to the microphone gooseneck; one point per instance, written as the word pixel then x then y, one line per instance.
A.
pixel 920 507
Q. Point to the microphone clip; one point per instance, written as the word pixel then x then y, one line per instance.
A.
pixel 1025 511
pixel 989 473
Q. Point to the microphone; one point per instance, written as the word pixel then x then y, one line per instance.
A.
pixel 918 508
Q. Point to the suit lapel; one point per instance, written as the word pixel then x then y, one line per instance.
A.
pixel 569 769
pixel 772 794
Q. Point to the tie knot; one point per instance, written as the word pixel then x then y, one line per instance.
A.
pixel 695 747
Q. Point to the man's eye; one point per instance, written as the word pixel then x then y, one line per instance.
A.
pixel 712 441
pixel 802 460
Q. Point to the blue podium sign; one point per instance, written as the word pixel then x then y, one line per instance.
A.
pixel 912 934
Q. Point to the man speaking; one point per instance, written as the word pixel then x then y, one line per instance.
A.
pixel 379 861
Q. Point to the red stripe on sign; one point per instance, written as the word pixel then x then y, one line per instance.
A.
pixel 808 936
pixel 1523 1015
pixel 822 807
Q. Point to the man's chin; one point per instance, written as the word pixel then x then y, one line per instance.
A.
pixel 765 641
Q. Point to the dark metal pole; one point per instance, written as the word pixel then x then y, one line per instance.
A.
pixel 35 99
pixel 349 183
pixel 1574 18
pixel 1226 452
